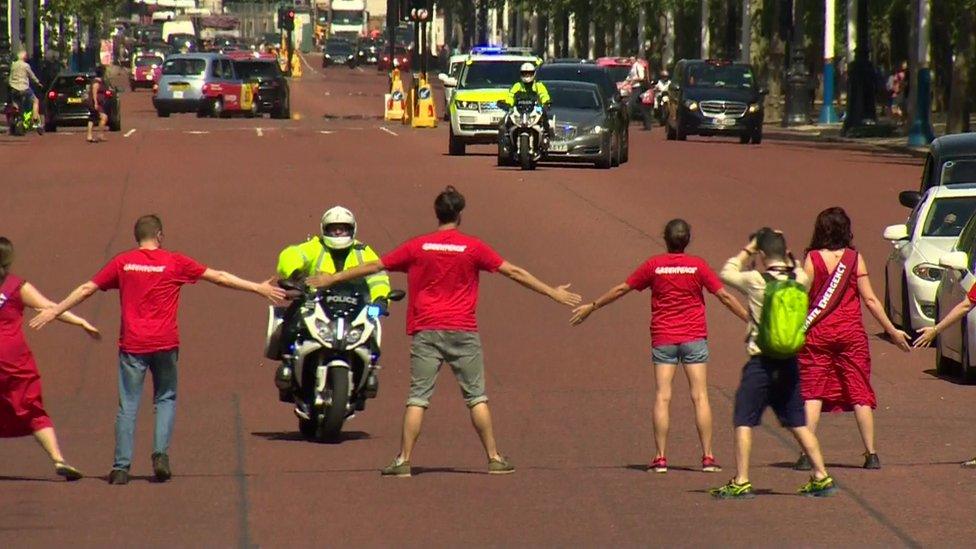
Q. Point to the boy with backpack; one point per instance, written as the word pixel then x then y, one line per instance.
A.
pixel 778 304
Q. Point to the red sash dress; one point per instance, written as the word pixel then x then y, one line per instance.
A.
pixel 21 408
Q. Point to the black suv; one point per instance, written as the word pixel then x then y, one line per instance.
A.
pixel 710 97
pixel 66 104
pixel 594 74
pixel 273 95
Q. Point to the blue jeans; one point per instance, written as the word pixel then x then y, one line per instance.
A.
pixel 132 374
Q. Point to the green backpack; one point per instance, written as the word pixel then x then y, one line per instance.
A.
pixel 785 307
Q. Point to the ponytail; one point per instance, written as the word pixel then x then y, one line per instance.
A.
pixel 6 257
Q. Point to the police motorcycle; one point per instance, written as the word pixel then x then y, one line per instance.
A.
pixel 329 353
pixel 19 111
pixel 661 99
pixel 522 135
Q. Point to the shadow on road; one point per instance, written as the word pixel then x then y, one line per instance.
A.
pixel 295 436
pixel 449 470
pixel 5 478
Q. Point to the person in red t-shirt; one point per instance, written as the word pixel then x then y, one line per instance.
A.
pixel 149 279
pixel 442 280
pixel 678 331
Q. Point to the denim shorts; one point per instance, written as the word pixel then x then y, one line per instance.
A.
pixel 689 352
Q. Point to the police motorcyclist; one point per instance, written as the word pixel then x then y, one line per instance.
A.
pixel 661 86
pixel 334 250
pixel 528 84
pixel 21 76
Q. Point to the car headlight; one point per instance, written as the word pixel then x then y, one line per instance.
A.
pixel 598 129
pixel 927 271
pixel 328 56
pixel 353 335
pixel 361 52
pixel 466 105
pixel 691 105
pixel 754 107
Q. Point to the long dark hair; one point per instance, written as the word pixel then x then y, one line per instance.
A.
pixel 6 257
pixel 832 231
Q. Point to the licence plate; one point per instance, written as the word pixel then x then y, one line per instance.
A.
pixel 559 146
pixel 177 94
pixel 496 118
pixel 725 121
pixel 74 100
pixel 149 76
pixel 180 87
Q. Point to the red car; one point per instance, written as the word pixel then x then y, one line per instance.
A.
pixel 401 58
pixel 619 68
pixel 146 70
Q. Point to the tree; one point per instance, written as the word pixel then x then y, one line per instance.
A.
pixel 962 68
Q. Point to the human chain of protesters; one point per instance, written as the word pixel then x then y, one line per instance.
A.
pixel 807 346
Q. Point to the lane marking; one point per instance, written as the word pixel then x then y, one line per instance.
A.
pixel 360 69
pixel 240 471
pixel 197 132
pixel 260 132
pixel 326 132
pixel 389 131
pixel 130 132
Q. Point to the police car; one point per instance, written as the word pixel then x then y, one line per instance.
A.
pixel 449 79
pixel 485 77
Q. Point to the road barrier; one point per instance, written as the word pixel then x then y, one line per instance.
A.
pixel 424 115
pixel 393 106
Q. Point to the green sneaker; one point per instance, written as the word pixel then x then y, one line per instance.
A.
pixel 500 466
pixel 818 488
pixel 732 490
pixel 398 468
pixel 971 464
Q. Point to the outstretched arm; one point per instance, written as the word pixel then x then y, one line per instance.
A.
pixel 78 295
pixel 873 304
pixel 613 294
pixel 560 294
pixel 928 334
pixel 34 299
pixel 227 280
pixel 732 304
pixel 326 280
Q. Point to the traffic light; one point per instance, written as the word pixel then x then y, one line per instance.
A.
pixel 286 19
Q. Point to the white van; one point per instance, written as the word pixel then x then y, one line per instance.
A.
pixel 177 27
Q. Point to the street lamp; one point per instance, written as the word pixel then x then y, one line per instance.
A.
pixel 798 91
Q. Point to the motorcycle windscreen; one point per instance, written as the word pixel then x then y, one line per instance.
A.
pixel 345 300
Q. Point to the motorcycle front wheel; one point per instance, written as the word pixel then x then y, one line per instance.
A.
pixel 335 415
pixel 525 153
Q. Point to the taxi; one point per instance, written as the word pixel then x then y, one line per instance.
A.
pixel 485 77
pixel 204 83
pixel 146 70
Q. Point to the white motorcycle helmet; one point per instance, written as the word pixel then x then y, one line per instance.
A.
pixel 527 72
pixel 338 216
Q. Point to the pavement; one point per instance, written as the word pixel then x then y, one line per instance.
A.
pixel 571 405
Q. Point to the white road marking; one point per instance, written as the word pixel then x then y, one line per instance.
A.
pixel 197 132
pixel 326 132
pixel 328 94
pixel 389 131
pixel 260 132
pixel 130 132
pixel 360 69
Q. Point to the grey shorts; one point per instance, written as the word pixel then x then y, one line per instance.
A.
pixel 460 350
pixel 691 352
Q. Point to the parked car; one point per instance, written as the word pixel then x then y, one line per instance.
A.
pixel 714 97
pixel 66 102
pixel 204 83
pixel 586 72
pixel 912 273
pixel 953 346
pixel 948 148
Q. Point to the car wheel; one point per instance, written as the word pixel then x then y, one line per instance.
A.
pixel 669 132
pixel 906 311
pixel 943 365
pixel 679 132
pixel 887 296
pixel 606 156
pixel 115 122
pixel 757 137
pixel 625 150
pixel 615 156
pixel 745 138
pixel 967 370
pixel 455 147
pixel 50 126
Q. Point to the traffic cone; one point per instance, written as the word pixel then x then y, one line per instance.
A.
pixel 394 101
pixel 425 115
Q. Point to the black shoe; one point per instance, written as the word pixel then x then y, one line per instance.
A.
pixel 160 464
pixel 285 396
pixel 284 377
pixel 372 385
pixel 802 464
pixel 871 461
pixel 118 476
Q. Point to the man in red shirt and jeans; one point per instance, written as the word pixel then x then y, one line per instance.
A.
pixel 678 331
pixel 442 277
pixel 149 279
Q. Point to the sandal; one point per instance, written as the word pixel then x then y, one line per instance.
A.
pixel 68 472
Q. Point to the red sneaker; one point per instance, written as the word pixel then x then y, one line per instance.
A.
pixel 659 465
pixel 709 465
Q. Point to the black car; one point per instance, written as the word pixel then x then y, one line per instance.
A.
pixel 948 148
pixel 582 124
pixel 368 50
pixel 713 97
pixel 339 52
pixel 594 74
pixel 66 102
pixel 274 95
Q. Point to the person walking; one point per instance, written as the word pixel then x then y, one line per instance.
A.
pixel 442 279
pixel 835 363
pixel 679 334
pixel 96 105
pixel 767 380
pixel 21 405
pixel 149 279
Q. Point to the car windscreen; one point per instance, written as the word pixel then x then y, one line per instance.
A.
pixel 958 171
pixel 149 61
pixel 338 48
pixel 347 17
pixel 574 97
pixel 708 75
pixel 574 73
pixel 69 84
pixel 491 74
pixel 184 67
pixel 948 216
pixel 256 69
pixel 619 73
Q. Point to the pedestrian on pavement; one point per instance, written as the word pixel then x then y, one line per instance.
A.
pixel 442 276
pixel 928 334
pixel 767 381
pixel 21 406
pixel 96 106
pixel 149 279
pixel 679 333
pixel 835 363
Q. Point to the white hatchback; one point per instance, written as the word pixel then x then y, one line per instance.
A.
pixel 913 272
pixel 952 348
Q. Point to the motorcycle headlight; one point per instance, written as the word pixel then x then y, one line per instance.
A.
pixel 754 107
pixel 927 271
pixel 324 330
pixel 353 335
pixel 691 105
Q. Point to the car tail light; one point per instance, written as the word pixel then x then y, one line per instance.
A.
pixel 108 93
pixel 155 89
pixel 52 94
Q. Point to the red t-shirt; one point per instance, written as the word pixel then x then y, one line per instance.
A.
pixel 677 303
pixel 149 290
pixel 971 294
pixel 442 279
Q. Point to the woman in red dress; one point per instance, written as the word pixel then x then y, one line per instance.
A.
pixel 835 363
pixel 21 407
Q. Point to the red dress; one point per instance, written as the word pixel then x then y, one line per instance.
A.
pixel 835 363
pixel 21 408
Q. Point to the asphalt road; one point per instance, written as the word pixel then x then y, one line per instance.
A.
pixel 571 405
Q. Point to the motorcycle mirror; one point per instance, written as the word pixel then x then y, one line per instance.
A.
pixel 397 295
pixel 502 104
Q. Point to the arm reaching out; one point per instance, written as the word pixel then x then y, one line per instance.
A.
pixel 560 294
pixel 873 304
pixel 34 299
pixel 732 304
pixel 927 335
pixel 227 280
pixel 326 280
pixel 613 294
pixel 78 295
